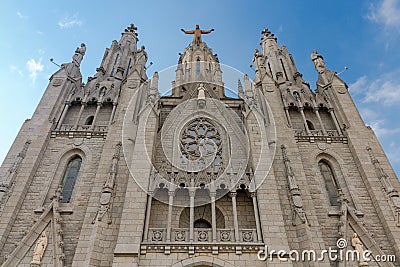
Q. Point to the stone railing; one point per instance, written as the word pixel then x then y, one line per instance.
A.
pixel 331 136
pixel 201 235
pixel 248 235
pixel 68 130
pixel 225 235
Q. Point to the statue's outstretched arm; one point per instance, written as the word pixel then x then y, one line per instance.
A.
pixel 206 31
pixel 188 32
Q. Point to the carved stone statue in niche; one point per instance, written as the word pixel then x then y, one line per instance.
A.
pixel 40 248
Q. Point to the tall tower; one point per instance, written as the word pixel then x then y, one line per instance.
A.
pixel 111 173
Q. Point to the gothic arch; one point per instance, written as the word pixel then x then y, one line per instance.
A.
pixel 202 261
pixel 63 158
pixel 184 216
pixel 338 167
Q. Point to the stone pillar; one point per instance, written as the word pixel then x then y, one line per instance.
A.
pixel 320 121
pixel 79 115
pixel 64 113
pixel 147 219
pixel 235 218
pixel 191 223
pixel 335 121
pixel 112 114
pixel 288 116
pixel 304 120
pixel 171 195
pixel 257 216
pixel 213 217
pixel 95 115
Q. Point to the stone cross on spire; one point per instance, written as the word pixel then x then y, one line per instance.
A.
pixel 132 28
pixel 197 33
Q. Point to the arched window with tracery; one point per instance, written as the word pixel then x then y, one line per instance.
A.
pixel 330 182
pixel 70 176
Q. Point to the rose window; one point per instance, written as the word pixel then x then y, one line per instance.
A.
pixel 200 139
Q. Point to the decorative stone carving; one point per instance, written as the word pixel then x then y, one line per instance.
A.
pixel 391 192
pixel 343 214
pixel 57 225
pixel 225 236
pixel 8 181
pixel 73 68
pixel 78 56
pixel 38 251
pixel 294 190
pixel 324 75
pixel 107 194
pixel 180 235
pixel 359 247
pixel 247 236
pixel 153 92
pixel 202 236
pixel 200 139
pixel 140 61
pixel 157 235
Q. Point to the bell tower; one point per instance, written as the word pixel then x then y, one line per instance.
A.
pixel 196 64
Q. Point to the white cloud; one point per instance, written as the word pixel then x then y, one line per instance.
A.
pixel 358 85
pixel 33 68
pixel 21 16
pixel 383 89
pixel 387 12
pixel 368 114
pixel 69 22
pixel 380 130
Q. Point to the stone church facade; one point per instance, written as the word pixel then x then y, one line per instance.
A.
pixel 111 173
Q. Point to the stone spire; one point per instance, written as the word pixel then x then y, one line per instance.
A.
pixel 278 62
pixel 198 64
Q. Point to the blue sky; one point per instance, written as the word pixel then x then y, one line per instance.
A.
pixel 363 35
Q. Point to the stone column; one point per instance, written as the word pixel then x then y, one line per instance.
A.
pixel 235 219
pixel 320 121
pixel 192 192
pixel 335 121
pixel 288 116
pixel 257 216
pixel 304 120
pixel 112 114
pixel 95 115
pixel 147 219
pixel 79 115
pixel 213 217
pixel 171 195
pixel 64 113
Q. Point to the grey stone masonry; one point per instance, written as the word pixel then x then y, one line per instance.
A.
pixel 111 173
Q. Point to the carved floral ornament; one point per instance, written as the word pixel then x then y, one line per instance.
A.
pixel 200 138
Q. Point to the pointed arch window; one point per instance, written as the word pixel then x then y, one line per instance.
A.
pixel 310 125
pixel 198 66
pixel 69 180
pixel 330 182
pixel 89 120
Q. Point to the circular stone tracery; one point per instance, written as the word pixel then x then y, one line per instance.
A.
pixel 200 139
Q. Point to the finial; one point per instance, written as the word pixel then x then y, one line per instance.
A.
pixel 131 28
pixel 267 34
